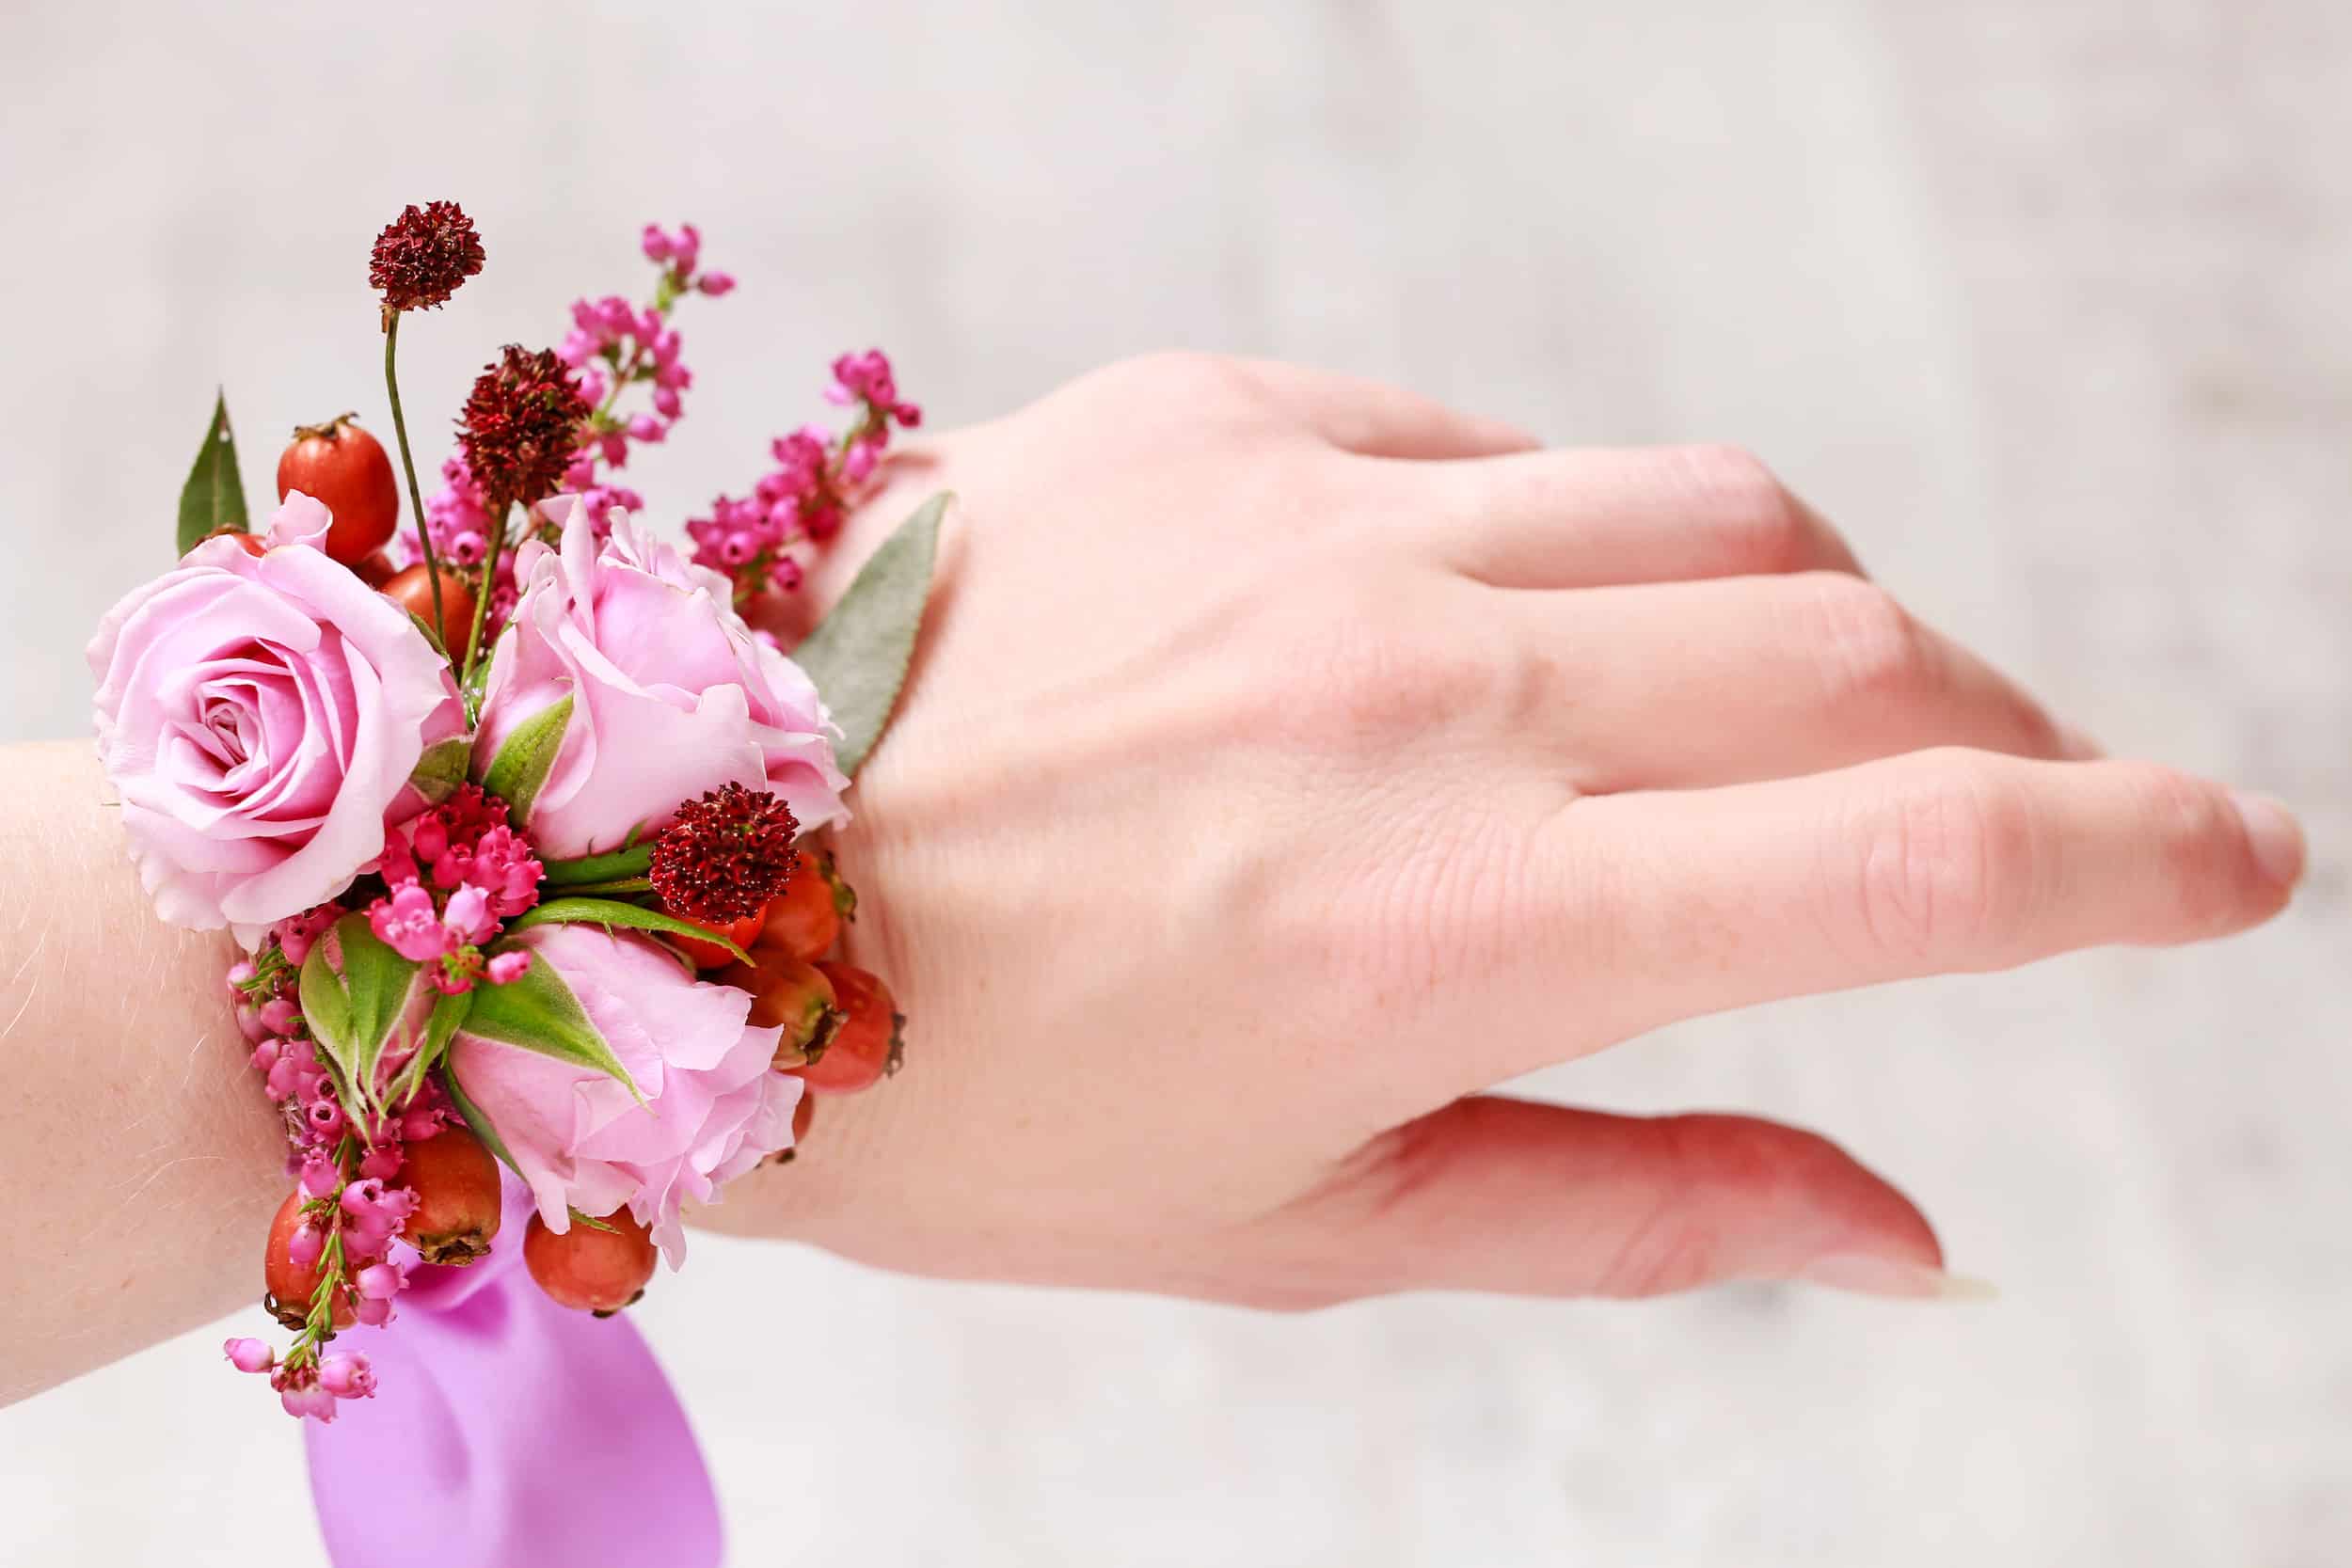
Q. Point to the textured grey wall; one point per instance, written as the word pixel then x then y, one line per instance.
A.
pixel 2047 305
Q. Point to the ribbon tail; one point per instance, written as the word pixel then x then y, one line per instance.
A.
pixel 507 1431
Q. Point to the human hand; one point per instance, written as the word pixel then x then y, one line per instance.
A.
pixel 1288 759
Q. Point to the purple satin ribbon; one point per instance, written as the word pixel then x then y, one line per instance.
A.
pixel 507 1431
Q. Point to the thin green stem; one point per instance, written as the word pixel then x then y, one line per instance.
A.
pixel 416 497
pixel 482 600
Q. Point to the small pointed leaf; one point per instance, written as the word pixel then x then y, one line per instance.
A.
pixel 439 1028
pixel 609 912
pixel 352 1010
pixel 213 496
pixel 858 657
pixel 538 1012
pixel 522 764
pixel 480 1122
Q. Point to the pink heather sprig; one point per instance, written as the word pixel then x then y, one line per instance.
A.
pixel 453 875
pixel 616 345
pixel 818 477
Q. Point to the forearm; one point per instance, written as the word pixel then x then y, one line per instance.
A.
pixel 139 1162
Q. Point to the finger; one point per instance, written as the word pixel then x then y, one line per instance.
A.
pixel 1592 516
pixel 1375 419
pixel 1940 861
pixel 1508 1195
pixel 1733 679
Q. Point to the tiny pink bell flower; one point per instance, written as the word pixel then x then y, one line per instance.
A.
pixel 347 1377
pixel 249 1355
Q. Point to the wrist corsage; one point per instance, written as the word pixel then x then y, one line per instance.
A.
pixel 519 825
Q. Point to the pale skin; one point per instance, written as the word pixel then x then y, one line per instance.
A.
pixel 1287 761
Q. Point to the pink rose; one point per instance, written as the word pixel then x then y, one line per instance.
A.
pixel 260 718
pixel 712 1111
pixel 670 694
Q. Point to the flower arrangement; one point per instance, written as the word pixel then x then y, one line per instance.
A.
pixel 518 822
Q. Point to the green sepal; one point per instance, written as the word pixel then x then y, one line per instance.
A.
pixel 537 1011
pixel 442 768
pixel 479 1120
pixel 592 1222
pixel 609 912
pixel 212 500
pixel 522 764
pixel 858 655
pixel 448 1015
pixel 351 1013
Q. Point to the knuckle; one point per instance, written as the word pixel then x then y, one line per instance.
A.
pixel 1870 648
pixel 1366 679
pixel 1945 866
pixel 2193 832
pixel 1181 376
pixel 1762 524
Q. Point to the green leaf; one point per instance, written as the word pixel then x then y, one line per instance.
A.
pixel 619 865
pixel 538 1012
pixel 523 762
pixel 442 768
pixel 609 912
pixel 213 496
pixel 858 657
pixel 352 1012
pixel 439 1029
pixel 480 1122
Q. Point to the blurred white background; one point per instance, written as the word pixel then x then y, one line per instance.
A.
pixel 2046 305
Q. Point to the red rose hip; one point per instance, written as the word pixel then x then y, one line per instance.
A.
pixel 344 466
pixel 455 1178
pixel 708 955
pixel 867 1044
pixel 804 918
pixel 289 1285
pixel 789 995
pixel 591 1270
pixel 411 588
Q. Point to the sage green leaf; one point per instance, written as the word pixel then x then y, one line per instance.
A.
pixel 523 762
pixel 858 657
pixel 447 1013
pixel 442 768
pixel 353 1011
pixel 620 866
pixel 538 1012
pixel 476 1120
pixel 609 912
pixel 213 496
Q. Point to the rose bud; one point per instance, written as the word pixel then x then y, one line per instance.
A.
pixel 588 1269
pixel 456 1182
pixel 289 1285
pixel 787 994
pixel 867 1044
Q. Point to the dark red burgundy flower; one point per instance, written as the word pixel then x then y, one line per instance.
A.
pixel 725 856
pixel 423 255
pixel 522 423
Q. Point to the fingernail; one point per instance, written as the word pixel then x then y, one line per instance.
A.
pixel 2077 745
pixel 1870 1274
pixel 2277 838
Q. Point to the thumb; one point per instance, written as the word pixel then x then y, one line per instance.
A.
pixel 1509 1195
